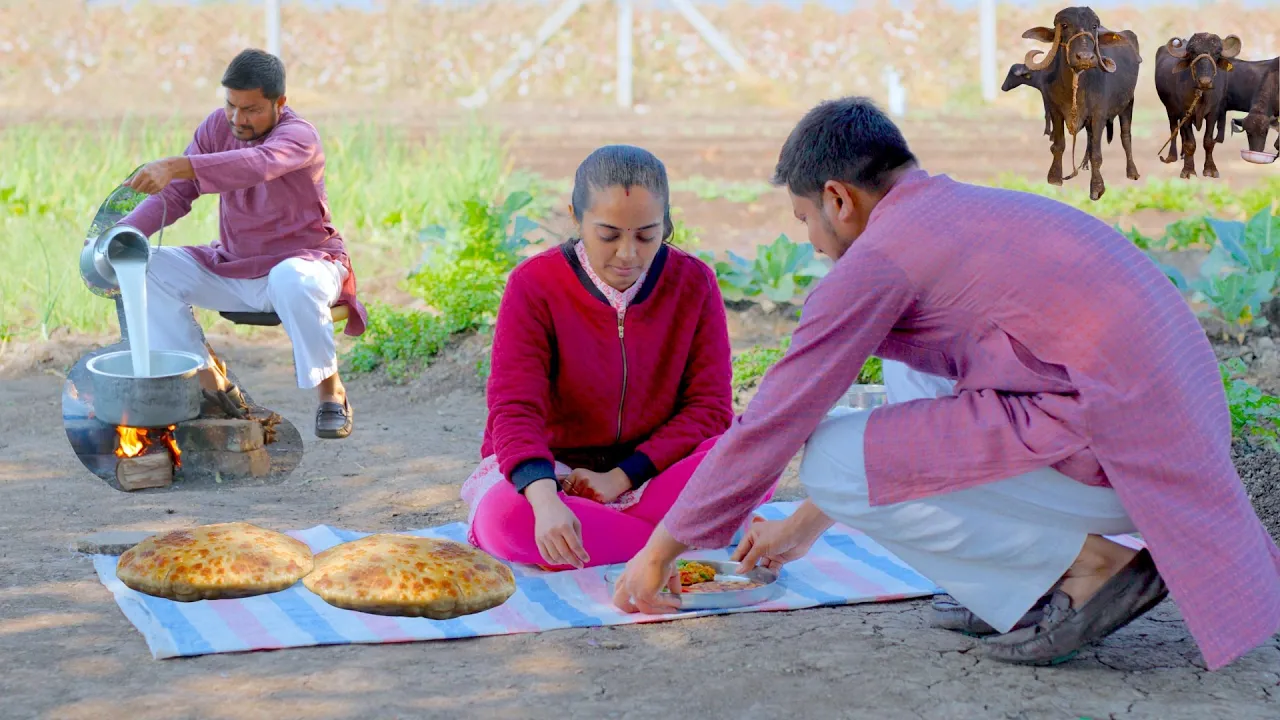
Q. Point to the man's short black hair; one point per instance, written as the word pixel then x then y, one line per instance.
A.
pixel 848 140
pixel 256 70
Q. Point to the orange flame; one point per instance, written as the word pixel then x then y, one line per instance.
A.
pixel 135 441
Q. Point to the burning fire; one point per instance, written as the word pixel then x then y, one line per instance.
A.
pixel 135 441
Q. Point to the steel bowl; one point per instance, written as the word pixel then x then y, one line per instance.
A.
pixel 725 572
pixel 170 396
pixel 1258 158
pixel 864 397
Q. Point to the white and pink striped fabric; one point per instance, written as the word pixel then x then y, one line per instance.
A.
pixel 843 568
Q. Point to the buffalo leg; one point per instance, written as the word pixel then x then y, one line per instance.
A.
pixel 1126 139
pixel 1084 162
pixel 1188 152
pixel 1097 125
pixel 1210 128
pixel 1172 157
pixel 1056 147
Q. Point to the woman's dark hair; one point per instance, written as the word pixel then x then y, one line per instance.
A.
pixel 849 140
pixel 625 165
pixel 256 70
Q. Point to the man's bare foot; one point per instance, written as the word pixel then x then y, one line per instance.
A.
pixel 1098 560
pixel 332 390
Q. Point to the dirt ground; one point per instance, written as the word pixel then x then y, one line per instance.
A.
pixel 68 652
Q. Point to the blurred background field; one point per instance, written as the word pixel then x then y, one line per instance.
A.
pixel 90 90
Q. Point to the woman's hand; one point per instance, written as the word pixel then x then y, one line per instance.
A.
pixel 597 487
pixel 556 529
pixel 639 588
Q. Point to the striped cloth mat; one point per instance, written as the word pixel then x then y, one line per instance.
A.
pixel 843 568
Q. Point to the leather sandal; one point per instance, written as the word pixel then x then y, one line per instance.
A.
pixel 947 613
pixel 333 420
pixel 1064 630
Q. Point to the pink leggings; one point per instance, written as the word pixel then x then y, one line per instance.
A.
pixel 503 523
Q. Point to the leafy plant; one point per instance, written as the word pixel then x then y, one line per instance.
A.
pixel 750 366
pixel 1255 416
pixel 1253 246
pixel 1238 297
pixel 1240 273
pixel 683 236
pixel 872 372
pixel 1188 233
pixel 398 340
pixel 1135 236
pixel 737 192
pixel 461 277
pixel 781 272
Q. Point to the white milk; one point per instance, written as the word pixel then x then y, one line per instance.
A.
pixel 131 275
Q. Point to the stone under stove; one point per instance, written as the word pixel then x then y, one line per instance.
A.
pixel 209 451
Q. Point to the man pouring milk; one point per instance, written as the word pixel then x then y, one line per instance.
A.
pixel 277 250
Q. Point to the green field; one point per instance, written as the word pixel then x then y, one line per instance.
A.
pixel 383 189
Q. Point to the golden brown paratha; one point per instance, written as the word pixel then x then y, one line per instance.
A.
pixel 214 562
pixel 411 576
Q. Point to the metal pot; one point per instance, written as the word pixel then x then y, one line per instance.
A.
pixel 172 395
pixel 99 253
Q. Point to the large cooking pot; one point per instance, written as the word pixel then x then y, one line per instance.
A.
pixel 170 396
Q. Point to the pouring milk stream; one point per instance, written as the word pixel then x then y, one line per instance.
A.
pixel 116 258
pixel 131 274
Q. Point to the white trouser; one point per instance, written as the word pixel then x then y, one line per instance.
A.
pixel 996 548
pixel 300 291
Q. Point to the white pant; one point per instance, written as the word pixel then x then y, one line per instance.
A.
pixel 300 291
pixel 996 548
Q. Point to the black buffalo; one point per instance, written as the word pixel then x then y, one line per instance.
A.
pixel 1264 113
pixel 1192 79
pixel 1019 75
pixel 1103 67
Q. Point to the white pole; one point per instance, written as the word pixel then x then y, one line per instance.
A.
pixel 548 28
pixel 273 26
pixel 718 42
pixel 987 59
pixel 897 93
pixel 625 64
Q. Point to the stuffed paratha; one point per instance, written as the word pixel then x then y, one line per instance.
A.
pixel 405 575
pixel 214 562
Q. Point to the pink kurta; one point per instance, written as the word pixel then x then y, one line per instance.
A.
pixel 273 204
pixel 1070 349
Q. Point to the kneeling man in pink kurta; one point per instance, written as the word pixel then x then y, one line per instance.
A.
pixel 1048 387
pixel 277 251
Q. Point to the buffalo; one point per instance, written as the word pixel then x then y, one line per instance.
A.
pixel 1019 75
pixel 1192 77
pixel 1089 82
pixel 1264 113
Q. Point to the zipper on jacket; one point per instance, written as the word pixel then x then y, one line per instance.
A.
pixel 623 399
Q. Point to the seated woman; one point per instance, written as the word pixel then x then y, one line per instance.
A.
pixel 610 379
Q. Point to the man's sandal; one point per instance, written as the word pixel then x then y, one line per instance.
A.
pixel 947 613
pixel 1064 630
pixel 334 420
